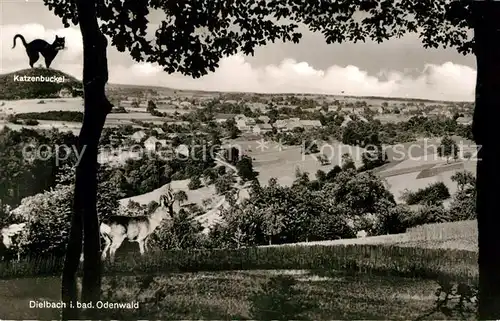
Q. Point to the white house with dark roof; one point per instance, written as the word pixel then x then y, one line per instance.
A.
pixel 138 135
pixel 245 123
pixel 65 93
pixel 292 124
pixel 265 119
pixel 222 118
pixel 309 124
pixel 152 144
pixel 159 130
pixel 262 128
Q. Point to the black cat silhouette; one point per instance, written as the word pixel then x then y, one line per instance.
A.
pixel 40 46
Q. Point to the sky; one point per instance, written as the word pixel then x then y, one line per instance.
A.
pixel 395 68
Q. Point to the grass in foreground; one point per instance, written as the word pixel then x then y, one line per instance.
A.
pixel 380 259
pixel 241 295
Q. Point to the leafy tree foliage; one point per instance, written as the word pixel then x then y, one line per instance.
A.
pixel 465 180
pixel 181 197
pixel 224 183
pixel 448 148
pixel 179 233
pixel 48 215
pixel 429 214
pixel 347 163
pixel 48 222
pixel 463 204
pixel 245 169
pixel 433 194
pixel 396 220
pixel 26 168
pixel 194 183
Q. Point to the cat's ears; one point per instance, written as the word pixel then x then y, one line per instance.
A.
pixel 57 37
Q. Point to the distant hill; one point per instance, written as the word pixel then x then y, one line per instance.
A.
pixel 31 84
pixel 134 90
pixel 12 88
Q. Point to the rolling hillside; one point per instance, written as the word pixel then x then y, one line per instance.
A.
pixel 12 85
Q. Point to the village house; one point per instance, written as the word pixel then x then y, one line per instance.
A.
pixel 250 121
pixel 265 119
pixel 240 117
pixel 447 113
pixel 76 92
pixel 182 150
pixel 177 122
pixel 262 128
pixel 222 118
pixel 346 121
pixel 278 106
pixel 293 123
pixel 464 121
pixel 434 112
pixel 309 124
pixel 126 103
pixel 185 104
pixel 376 109
pixel 65 93
pixel 138 136
pixel 363 119
pixel 280 124
pixel 409 109
pixel 357 111
pixel 152 144
pixel 159 130
pixel 244 123
pixel 257 106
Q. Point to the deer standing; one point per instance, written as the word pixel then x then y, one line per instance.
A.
pixel 117 228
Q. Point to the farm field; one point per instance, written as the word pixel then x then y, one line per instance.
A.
pixel 35 105
pixel 391 118
pixel 272 162
pixel 194 196
pixel 281 162
pixel 73 104
pixel 163 108
pixel 228 295
pixel 378 101
pixel 60 125
pixel 452 236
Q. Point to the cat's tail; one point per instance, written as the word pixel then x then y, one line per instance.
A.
pixel 22 39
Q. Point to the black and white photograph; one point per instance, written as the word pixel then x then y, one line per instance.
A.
pixel 249 160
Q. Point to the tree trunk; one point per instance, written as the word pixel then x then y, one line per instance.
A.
pixel 96 108
pixel 487 50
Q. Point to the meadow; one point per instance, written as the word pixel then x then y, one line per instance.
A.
pixel 357 281
pixel 242 295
